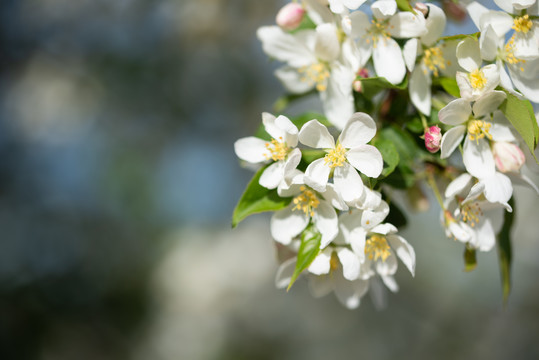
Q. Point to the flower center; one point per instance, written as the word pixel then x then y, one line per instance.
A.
pixel 306 201
pixel 317 73
pixel 335 157
pixel 278 149
pixel 334 261
pixel 470 214
pixel 434 60
pixel 509 53
pixel 478 79
pixel 522 24
pixel 377 247
pixel 478 129
pixel 377 31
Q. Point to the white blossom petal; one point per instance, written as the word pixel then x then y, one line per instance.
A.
pixel 293 81
pixel 451 140
pixel 360 23
pixel 317 174
pixel 284 273
pixel 488 43
pixel 404 251
pixel 289 130
pixel 488 103
pixel 501 129
pixel 273 175
pixel 327 45
pixel 337 99
pixel 286 224
pixel 383 9
pixel 326 221
pixel 320 285
pixel 359 130
pixel 456 112
pixel 390 283
pixel 458 186
pixel 388 60
pixel 321 263
pixel 350 264
pixel 388 267
pixel 406 24
pixel 477 158
pixel 346 291
pixel 316 135
pixel 498 188
pixel 251 149
pixel 420 92
pixel 367 159
pixel 348 183
pixel 469 54
pixel 285 47
pixel 435 25
pixel 334 198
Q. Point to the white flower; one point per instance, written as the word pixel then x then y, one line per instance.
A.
pixel 308 205
pixel 376 37
pixel 342 6
pixel 350 153
pixel 312 61
pixel 478 80
pixel 280 150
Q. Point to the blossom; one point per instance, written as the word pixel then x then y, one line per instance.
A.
pixel 433 137
pixel 280 150
pixel 376 37
pixel 290 16
pixel 342 6
pixel 350 153
pixel 478 80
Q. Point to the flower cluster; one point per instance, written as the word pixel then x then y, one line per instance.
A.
pixel 398 100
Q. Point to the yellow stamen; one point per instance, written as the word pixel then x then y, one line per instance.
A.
pixel 336 157
pixel 377 247
pixel 509 53
pixel 478 129
pixel 522 24
pixel 306 201
pixel 278 150
pixel 317 73
pixel 478 79
pixel 334 261
pixel 470 214
pixel 433 59
pixel 377 31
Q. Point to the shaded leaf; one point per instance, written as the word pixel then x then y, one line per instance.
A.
pixel 470 259
pixel 257 199
pixel 389 154
pixel 372 86
pixel 449 85
pixel 396 216
pixel 308 250
pixel 404 5
pixel 474 36
pixel 504 251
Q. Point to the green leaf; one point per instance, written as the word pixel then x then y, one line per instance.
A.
pixel 449 85
pixel 308 250
pixel 504 251
pixel 308 155
pixel 520 114
pixel 257 199
pixel 474 36
pixel 389 154
pixel 404 5
pixel 372 86
pixel 299 121
pixel 470 259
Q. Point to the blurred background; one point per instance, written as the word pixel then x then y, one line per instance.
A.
pixel 117 184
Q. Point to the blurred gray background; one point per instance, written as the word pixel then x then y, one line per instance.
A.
pixel 117 184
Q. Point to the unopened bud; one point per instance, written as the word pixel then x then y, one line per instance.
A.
pixel 508 156
pixel 363 72
pixel 433 138
pixel 356 85
pixel 422 8
pixel 290 16
pixel 454 11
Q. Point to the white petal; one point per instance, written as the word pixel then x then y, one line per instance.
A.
pixel 435 25
pixel 370 199
pixel 372 218
pixel 292 49
pixel 284 273
pixel 388 267
pixel 360 23
pixel 273 175
pixel 353 4
pixel 384 229
pixel 458 186
pixel 388 60
pixel 420 93
pixel 488 44
pixel 469 55
pixel 318 12
pixel 317 174
pixel 459 232
pixel 289 130
pixel 367 159
pixel 500 22
pixel 526 46
pixel 488 103
pixel 359 130
pixel 348 183
pixel 404 251
pixel 326 221
pixel 287 224
pixel 486 238
pixel 528 87
pixel 291 163
pixel 269 125
pixel 477 158
pixel 327 45
pixel 320 285
pixel 321 263
pixel 476 10
pixel 346 291
pixel 409 52
pixel 501 129
pixel 456 112
pixel 498 188
pixel 334 198
pixel 338 100
pixel 451 140
pixel 476 191
pixel 357 242
pixel 465 87
pixel 293 81
pixel 406 24
pixel 505 5
pixel 251 149
pixel 390 282
pixel 350 264
pixel 316 135
pixel 383 9
pixel 291 184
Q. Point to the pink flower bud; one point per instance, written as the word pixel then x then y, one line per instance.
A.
pixel 356 85
pixel 433 137
pixel 363 72
pixel 290 16
pixel 508 156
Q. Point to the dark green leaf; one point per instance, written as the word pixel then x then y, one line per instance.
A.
pixel 396 216
pixel 404 5
pixel 309 155
pixel 389 154
pixel 372 86
pixel 520 114
pixel 504 251
pixel 257 199
pixel 460 37
pixel 449 85
pixel 470 259
pixel 415 125
pixel 308 250
pixel 403 141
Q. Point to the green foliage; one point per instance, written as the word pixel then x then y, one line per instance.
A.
pixel 308 250
pixel 403 176
pixel 504 251
pixel 474 36
pixel 470 259
pixel 396 216
pixel 257 199
pixel 299 121
pixel 520 114
pixel 389 154
pixel 372 86
pixel 404 5
pixel 449 85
